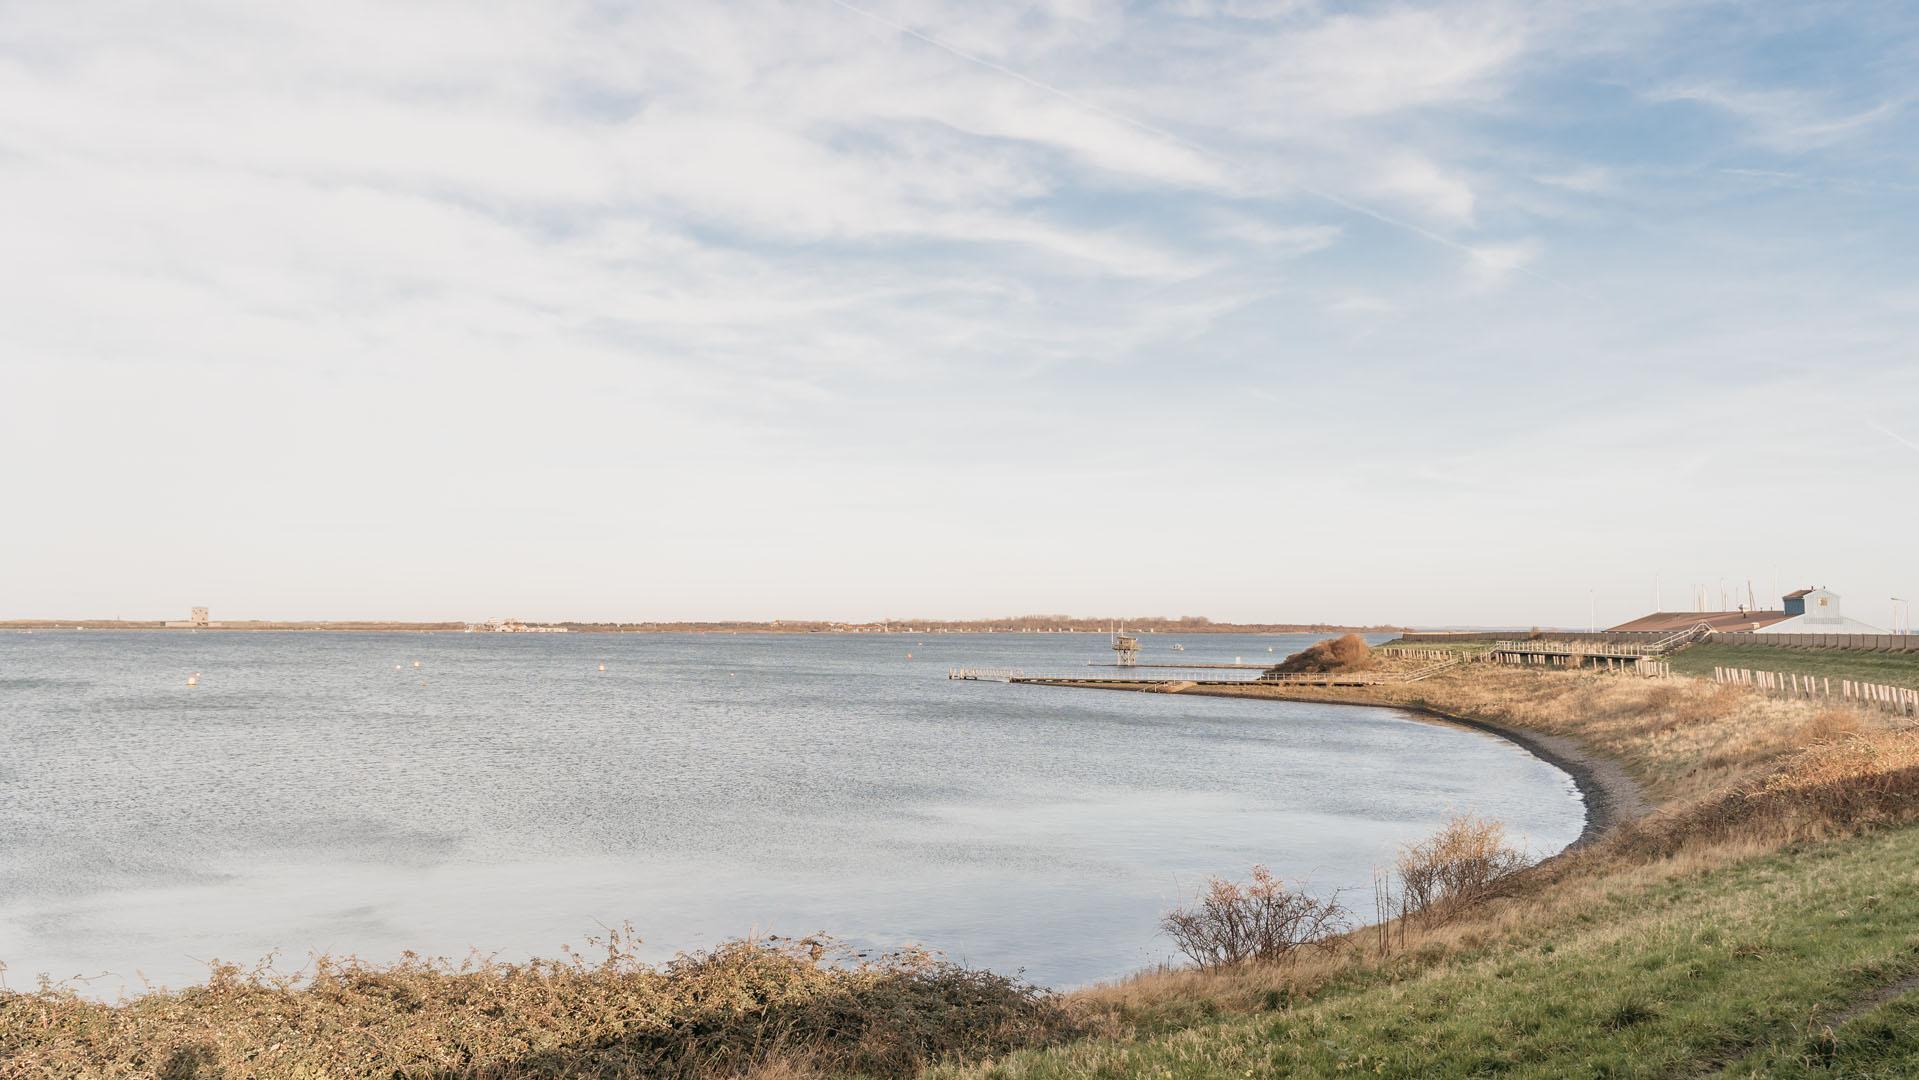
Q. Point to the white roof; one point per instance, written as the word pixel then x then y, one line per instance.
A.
pixel 1806 624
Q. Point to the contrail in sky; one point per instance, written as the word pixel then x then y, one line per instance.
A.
pixel 1893 435
pixel 1197 148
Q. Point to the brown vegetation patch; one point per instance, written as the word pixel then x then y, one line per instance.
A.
pixel 1836 786
pixel 1347 653
pixel 769 1008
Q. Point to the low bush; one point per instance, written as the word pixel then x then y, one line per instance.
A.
pixel 1463 864
pixel 1260 920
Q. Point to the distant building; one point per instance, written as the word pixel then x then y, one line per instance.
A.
pixel 196 620
pixel 1807 611
pixel 513 626
pixel 1816 611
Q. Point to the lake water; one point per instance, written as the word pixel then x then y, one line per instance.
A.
pixel 317 791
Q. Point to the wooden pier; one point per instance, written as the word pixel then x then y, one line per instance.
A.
pixel 1594 652
pixel 1185 667
pixel 1005 675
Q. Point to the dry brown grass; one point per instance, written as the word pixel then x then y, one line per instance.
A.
pixel 778 1010
pixel 1682 739
pixel 1838 785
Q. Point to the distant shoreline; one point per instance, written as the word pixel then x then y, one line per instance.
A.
pixel 920 627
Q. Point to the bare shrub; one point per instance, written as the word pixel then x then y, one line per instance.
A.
pixel 1347 653
pixel 1461 865
pixel 1260 920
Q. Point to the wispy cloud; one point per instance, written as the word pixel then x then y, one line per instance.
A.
pixel 676 272
pixel 1790 121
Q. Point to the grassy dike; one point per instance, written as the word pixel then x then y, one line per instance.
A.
pixel 1754 913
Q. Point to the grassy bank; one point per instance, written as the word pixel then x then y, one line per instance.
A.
pixel 1757 922
pixel 1744 969
pixel 1892 669
pixel 1755 913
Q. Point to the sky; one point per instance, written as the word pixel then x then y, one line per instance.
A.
pixel 1476 313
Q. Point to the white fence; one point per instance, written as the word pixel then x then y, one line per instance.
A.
pixel 1894 699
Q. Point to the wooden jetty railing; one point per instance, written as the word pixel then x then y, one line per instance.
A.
pixel 1183 667
pixel 1656 647
pixel 1359 678
pixel 1404 652
pixel 1650 666
pixel 985 674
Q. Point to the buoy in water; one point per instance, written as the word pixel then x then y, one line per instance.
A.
pixel 909 656
pixel 193 679
pixel 416 663
pixel 602 667
pixel 396 667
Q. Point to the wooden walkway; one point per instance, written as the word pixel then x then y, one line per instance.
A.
pixel 1502 650
pixel 1316 679
pixel 985 674
pixel 1184 667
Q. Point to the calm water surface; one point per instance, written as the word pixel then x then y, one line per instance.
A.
pixel 319 792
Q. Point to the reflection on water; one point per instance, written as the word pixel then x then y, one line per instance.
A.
pixel 316 791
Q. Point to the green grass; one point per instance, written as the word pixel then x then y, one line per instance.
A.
pixel 1895 669
pixel 1731 972
pixel 1878 1043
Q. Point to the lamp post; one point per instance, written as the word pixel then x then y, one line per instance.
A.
pixel 1898 607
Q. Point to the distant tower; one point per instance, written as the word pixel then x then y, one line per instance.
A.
pixel 1125 647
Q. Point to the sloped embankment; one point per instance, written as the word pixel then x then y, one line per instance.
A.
pixel 1760 920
